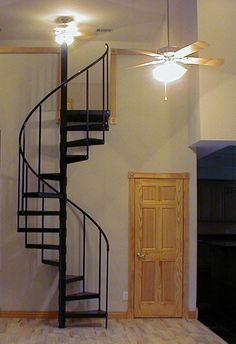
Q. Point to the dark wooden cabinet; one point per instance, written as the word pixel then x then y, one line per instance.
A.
pixel 216 201
pixel 230 202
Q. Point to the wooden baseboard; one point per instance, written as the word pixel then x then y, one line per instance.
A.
pixel 50 314
pixel 29 314
pixel 53 314
pixel 118 315
pixel 191 314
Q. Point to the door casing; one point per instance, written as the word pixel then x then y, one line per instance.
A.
pixel 146 175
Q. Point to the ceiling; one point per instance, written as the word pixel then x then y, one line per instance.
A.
pixel 130 20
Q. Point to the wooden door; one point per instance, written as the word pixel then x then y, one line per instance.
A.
pixel 158 247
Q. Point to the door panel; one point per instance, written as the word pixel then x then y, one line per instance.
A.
pixel 158 239
pixel 149 228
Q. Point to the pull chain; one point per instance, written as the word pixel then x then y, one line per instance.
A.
pixel 165 98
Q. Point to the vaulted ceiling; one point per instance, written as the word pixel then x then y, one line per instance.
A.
pixel 130 20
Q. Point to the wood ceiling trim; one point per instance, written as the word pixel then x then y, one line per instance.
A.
pixel 30 50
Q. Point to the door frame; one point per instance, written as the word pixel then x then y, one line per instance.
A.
pixel 148 175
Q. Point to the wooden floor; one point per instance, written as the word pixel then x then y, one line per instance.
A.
pixel 138 331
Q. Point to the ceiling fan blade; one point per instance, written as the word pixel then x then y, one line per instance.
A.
pixel 190 49
pixel 202 61
pixel 137 52
pixel 145 64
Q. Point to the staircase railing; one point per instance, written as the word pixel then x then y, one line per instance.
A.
pixel 30 175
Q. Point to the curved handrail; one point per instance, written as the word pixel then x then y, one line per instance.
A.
pixel 59 87
pixel 27 119
pixel 91 219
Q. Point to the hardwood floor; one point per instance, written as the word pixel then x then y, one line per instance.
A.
pixel 137 331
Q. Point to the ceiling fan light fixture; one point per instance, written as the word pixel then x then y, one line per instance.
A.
pixel 168 72
pixel 66 30
pixel 64 38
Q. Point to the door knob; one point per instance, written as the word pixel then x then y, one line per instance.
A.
pixel 140 255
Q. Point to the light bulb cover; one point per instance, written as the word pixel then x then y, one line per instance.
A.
pixel 168 72
pixel 59 39
pixel 65 32
pixel 69 39
pixel 64 38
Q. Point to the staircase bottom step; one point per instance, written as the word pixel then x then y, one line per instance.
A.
pixel 86 314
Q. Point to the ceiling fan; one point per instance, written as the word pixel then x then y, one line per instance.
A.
pixel 181 56
pixel 170 57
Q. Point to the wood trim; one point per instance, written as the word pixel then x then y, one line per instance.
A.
pixel 29 314
pixel 39 50
pixel 153 175
pixel 30 50
pixel 124 51
pixel 131 249
pixel 186 247
pixel 146 175
pixel 50 314
pixel 113 78
pixel 113 87
pixel 118 315
pixel 191 315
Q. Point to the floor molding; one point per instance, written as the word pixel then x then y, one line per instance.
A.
pixel 191 314
pixel 53 314
pixel 118 315
pixel 50 314
pixel 29 314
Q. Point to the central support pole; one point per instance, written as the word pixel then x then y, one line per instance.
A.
pixel 63 187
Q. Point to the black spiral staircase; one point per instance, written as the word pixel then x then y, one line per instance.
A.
pixel 42 195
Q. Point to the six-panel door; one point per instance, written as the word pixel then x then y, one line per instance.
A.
pixel 158 213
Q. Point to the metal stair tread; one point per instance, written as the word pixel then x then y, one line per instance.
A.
pixel 85 127
pixel 39 230
pixel 85 142
pixel 38 212
pixel 51 176
pixel 50 262
pixel 87 314
pixel 81 115
pixel 82 296
pixel 75 158
pixel 44 246
pixel 42 195
pixel 73 278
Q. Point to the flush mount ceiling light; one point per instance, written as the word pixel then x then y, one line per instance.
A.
pixel 66 30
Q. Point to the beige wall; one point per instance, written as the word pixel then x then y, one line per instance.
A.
pixel 25 283
pixel 217 103
pixel 150 135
